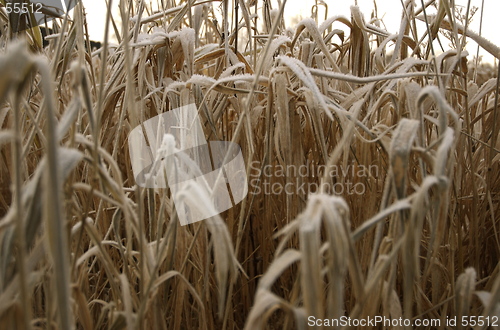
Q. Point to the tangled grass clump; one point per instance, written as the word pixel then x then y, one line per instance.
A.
pixel 82 246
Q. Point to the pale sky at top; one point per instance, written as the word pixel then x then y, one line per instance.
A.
pixel 388 10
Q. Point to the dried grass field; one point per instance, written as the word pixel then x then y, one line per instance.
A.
pixel 406 124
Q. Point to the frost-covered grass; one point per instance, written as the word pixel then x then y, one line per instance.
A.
pixel 81 246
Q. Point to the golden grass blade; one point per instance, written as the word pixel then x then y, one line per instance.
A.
pixel 267 303
pixel 311 270
pixel 465 286
pixel 56 228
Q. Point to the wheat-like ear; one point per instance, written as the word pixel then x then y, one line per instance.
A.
pixel 402 143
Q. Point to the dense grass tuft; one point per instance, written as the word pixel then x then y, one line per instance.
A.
pixel 387 147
